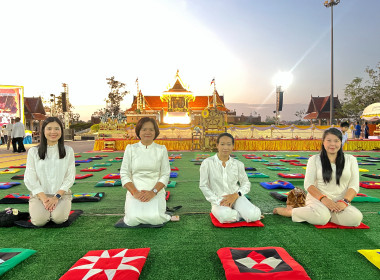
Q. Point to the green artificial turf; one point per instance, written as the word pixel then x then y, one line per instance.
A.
pixel 187 249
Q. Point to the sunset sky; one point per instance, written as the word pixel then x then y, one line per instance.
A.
pixel 240 43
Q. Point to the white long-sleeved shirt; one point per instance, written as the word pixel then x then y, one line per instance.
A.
pixel 51 174
pixel 18 130
pixel 9 129
pixel 349 178
pixel 144 166
pixel 216 180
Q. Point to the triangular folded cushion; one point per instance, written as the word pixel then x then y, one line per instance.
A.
pixel 258 160
pixel 18 177
pixel 173 174
pixel 112 176
pixel 102 164
pixel 197 163
pixel 257 175
pixel 332 225
pixel 366 163
pixel 113 264
pixel 302 158
pixel 278 168
pixel 119 158
pixel 361 156
pixel 279 184
pixel 10 257
pixel 291 175
pixel 273 164
pixel 74 214
pixel 216 223
pixel 363 170
pixel 289 160
pixel 372 255
pixel 87 197
pixel 260 263
pixel 171 184
pixel 109 183
pixel 83 161
pixel 18 166
pixel 167 196
pixel 77 156
pixel 95 158
pixel 8 185
pixel 374 176
pixel 83 176
pixel 174 169
pixel 268 155
pixel 277 157
pixel 9 171
pixel 372 159
pixel 370 185
pixel 93 169
pixel 171 160
pixel 114 160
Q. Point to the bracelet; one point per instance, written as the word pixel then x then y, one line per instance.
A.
pixel 343 202
pixel 321 197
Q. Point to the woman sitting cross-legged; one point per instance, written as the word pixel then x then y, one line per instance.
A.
pixel 219 178
pixel 49 175
pixel 332 182
pixel 145 172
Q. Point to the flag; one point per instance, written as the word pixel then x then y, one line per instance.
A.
pixel 110 264
pixel 212 82
pixel 260 263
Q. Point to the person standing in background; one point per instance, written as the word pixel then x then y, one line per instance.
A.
pixel 9 133
pixel 358 130
pixel 366 130
pixel 18 134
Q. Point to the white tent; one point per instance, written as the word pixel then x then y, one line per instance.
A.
pixel 371 112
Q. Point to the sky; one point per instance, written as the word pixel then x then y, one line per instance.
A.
pixel 243 44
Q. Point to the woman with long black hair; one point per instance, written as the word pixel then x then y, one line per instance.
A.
pixel 332 182
pixel 49 175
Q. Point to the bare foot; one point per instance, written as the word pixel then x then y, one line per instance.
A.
pixel 282 211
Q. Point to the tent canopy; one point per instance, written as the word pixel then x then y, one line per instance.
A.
pixel 371 112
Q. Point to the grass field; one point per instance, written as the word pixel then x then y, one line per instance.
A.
pixel 187 249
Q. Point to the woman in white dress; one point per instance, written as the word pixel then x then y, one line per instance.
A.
pixel 49 175
pixel 332 182
pixel 145 172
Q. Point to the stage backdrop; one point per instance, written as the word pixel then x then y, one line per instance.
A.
pixel 11 103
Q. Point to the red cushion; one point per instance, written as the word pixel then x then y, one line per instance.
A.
pixel 269 263
pixel 112 176
pixel 167 196
pixel 216 223
pixel 294 176
pixel 297 164
pixel 119 264
pixel 93 169
pixel 289 160
pixel 370 185
pixel 174 169
pixel 332 225
pixel 82 176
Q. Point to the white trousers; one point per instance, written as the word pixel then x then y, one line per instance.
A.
pixel 316 213
pixel 151 212
pixel 242 208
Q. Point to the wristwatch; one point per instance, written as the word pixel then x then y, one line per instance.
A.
pixel 347 201
pixel 155 191
pixel 57 195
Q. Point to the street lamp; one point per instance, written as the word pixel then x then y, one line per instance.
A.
pixel 331 4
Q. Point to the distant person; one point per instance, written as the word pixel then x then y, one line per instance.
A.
pixel 343 128
pixel 49 175
pixel 358 130
pixel 9 133
pixel 366 130
pixel 18 134
pixel 332 182
pixel 2 135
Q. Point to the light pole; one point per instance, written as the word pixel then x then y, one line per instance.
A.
pixel 328 4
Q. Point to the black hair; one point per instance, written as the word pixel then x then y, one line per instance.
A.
pixel 42 147
pixel 144 120
pixel 225 134
pixel 344 124
pixel 339 162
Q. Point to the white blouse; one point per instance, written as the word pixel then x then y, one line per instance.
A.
pixel 216 180
pixel 51 174
pixel 144 166
pixel 349 178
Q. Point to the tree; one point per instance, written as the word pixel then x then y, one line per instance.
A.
pixel 360 93
pixel 115 96
pixel 55 109
pixel 300 114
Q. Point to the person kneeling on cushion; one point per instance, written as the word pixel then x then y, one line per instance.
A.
pixel 49 175
pixel 332 181
pixel 219 177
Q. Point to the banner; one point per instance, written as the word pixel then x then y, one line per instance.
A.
pixel 11 103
